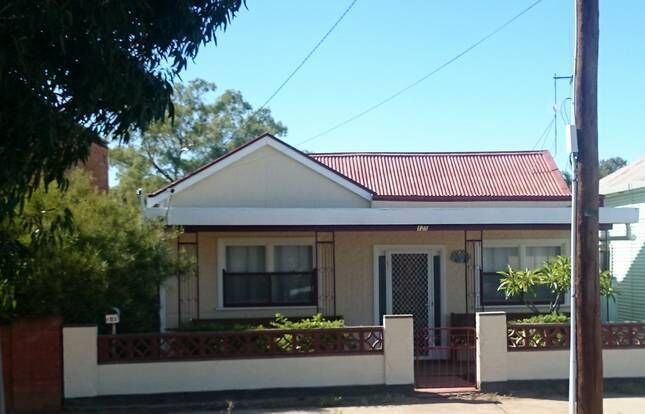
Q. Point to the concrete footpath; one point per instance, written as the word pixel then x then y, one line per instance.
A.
pixel 493 405
pixel 621 400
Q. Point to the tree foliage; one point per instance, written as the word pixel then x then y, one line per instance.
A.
pixel 554 275
pixel 108 256
pixel 609 165
pixel 567 177
pixel 71 72
pixel 204 128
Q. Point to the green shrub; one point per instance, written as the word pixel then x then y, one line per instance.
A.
pixel 305 343
pixel 78 253
pixel 535 336
pixel 316 321
pixel 280 321
pixel 553 317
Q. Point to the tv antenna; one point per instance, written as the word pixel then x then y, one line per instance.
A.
pixel 556 107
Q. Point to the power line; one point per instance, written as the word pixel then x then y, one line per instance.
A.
pixel 423 78
pixel 542 139
pixel 311 52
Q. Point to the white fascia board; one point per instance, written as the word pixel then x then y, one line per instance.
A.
pixel 262 142
pixel 242 216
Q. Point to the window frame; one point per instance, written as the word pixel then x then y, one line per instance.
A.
pixel 521 245
pixel 269 243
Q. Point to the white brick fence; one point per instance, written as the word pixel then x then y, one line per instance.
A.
pixel 498 365
pixel 354 356
pixel 389 363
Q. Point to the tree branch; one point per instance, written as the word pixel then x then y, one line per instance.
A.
pixel 157 167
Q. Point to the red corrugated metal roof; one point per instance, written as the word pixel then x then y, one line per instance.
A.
pixel 520 175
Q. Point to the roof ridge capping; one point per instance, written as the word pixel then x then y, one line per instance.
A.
pixel 438 153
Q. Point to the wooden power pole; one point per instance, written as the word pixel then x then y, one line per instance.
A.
pixel 588 332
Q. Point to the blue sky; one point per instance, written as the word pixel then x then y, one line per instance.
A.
pixel 498 97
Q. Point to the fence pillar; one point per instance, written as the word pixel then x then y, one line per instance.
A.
pixel 398 349
pixel 492 370
pixel 80 364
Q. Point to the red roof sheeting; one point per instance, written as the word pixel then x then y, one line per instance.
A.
pixel 467 176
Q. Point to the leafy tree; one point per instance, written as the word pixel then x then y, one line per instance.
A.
pixel 554 276
pixel 71 72
pixel 609 165
pixel 567 177
pixel 109 256
pixel 203 129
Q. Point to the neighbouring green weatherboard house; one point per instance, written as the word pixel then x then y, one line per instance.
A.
pixel 626 188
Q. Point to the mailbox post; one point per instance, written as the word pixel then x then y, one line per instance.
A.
pixel 113 319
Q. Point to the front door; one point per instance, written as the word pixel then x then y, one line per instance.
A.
pixel 410 280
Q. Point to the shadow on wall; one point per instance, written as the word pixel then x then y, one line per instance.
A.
pixel 630 299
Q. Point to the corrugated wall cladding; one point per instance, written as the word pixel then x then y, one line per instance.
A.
pixel 628 258
pixel 485 175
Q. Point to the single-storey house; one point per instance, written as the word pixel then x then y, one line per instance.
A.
pixel 626 188
pixel 360 235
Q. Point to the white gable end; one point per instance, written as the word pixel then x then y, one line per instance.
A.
pixel 267 177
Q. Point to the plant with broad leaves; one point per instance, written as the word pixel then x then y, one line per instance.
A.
pixel 554 275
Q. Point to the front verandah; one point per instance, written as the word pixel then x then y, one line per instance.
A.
pixel 439 274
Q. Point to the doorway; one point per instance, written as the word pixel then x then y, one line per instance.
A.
pixel 410 283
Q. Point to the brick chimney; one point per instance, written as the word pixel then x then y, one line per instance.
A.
pixel 97 164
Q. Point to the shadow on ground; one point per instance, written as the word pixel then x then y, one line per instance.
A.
pixel 320 398
pixel 311 399
pixel 559 390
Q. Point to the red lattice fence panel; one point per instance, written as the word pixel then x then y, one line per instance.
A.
pixel 544 337
pixel 537 337
pixel 244 344
pixel 623 335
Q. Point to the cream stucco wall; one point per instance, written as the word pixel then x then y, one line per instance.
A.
pixel 354 264
pixel 267 178
pixel 152 378
pixel 491 347
pixel 80 371
pixel 617 363
pixel 527 234
pixel 84 377
pixel 399 343
pixel 496 365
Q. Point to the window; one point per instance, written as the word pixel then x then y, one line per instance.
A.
pixel 498 258
pixel 295 284
pixel 292 258
pixel 245 259
pixel 536 256
pixel 269 275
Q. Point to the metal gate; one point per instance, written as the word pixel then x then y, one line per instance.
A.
pixel 444 357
